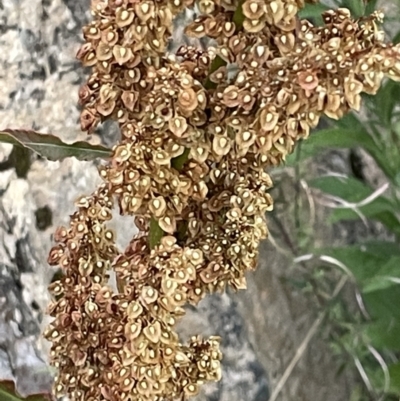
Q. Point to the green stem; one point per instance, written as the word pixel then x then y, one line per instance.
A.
pixel 238 19
pixel 156 233
pixel 179 161
pixel 216 63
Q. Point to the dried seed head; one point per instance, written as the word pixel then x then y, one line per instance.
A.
pixel 221 145
pixel 149 294
pixel 187 100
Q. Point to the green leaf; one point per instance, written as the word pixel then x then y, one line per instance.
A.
pixel 367 260
pixel 337 137
pixel 370 7
pixel 347 188
pixel 384 333
pixel 394 371
pixel 8 393
pixel 356 7
pixel 313 11
pixel 385 101
pixel 387 275
pixel 346 133
pixel 384 303
pixel 373 212
pixel 52 147
pixel 354 191
pixel 376 146
pixel 349 121
pixel 383 249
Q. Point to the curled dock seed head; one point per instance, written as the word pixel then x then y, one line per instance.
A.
pixel 199 130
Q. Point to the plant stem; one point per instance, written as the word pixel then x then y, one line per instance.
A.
pixel 179 161
pixel 156 233
pixel 238 18
pixel 217 63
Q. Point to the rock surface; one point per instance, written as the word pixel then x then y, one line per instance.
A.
pixel 261 328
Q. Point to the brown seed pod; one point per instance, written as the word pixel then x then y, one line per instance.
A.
pixel 124 17
pixel 221 145
pixel 133 329
pixel 197 29
pixel 158 206
pixel 206 6
pixel 153 332
pixel 122 54
pixel 168 224
pixel 144 10
pixel 253 26
pixel 307 80
pixel 187 100
pixel 253 9
pixel 268 118
pixel 178 126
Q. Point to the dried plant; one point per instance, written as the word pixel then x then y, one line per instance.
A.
pixel 191 169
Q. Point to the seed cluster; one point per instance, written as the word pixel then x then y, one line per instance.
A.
pixel 199 129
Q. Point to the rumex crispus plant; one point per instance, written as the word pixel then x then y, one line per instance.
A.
pixel 199 130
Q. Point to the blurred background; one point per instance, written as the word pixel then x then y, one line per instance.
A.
pixel 320 320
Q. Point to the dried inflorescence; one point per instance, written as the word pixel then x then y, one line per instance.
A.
pixel 200 128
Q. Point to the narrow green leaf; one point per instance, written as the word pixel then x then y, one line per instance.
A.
pixel 342 138
pixel 354 191
pixel 382 249
pixel 6 396
pixel 365 261
pixel 349 121
pixel 52 147
pixel 385 101
pixel 394 371
pixel 313 11
pixel 356 7
pixel 8 393
pixel 373 212
pixel 370 7
pixel 383 304
pixel 376 148
pixel 333 138
pixel 387 275
pixel 347 188
pixel 384 333
pixel 346 133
